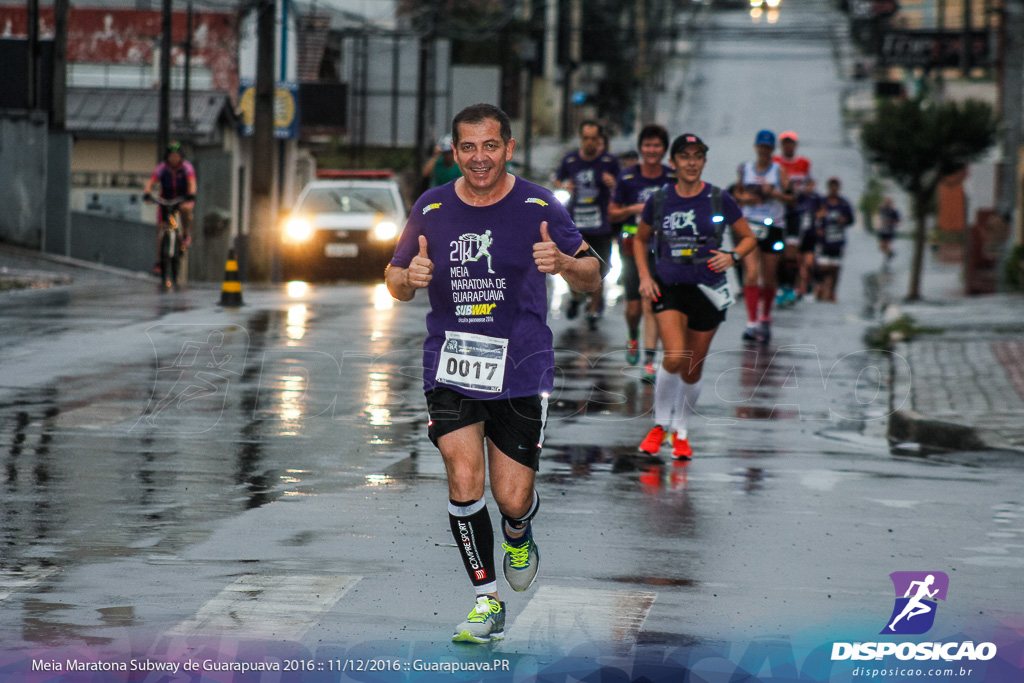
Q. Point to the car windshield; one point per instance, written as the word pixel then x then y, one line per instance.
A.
pixel 349 199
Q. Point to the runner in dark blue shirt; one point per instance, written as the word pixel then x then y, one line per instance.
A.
pixel 589 173
pixel 635 186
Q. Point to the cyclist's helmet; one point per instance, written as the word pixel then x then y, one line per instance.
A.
pixel 173 146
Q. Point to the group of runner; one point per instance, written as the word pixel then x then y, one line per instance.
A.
pixel 800 233
pixel 488 357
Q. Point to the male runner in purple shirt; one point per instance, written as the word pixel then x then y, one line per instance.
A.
pixel 635 186
pixel 589 173
pixel 482 246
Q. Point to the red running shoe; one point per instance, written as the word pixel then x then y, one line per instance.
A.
pixel 652 443
pixel 681 448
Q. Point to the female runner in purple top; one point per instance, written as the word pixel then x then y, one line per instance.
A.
pixel 688 286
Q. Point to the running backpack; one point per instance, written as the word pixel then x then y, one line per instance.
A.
pixel 659 217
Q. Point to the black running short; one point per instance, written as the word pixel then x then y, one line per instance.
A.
pixel 629 278
pixel 776 233
pixel 808 241
pixel 701 314
pixel 515 425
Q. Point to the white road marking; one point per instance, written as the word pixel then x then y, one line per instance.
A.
pixel 564 618
pixel 268 606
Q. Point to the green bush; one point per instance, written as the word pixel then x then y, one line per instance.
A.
pixel 903 328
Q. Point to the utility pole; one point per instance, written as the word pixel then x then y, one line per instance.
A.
pixel 966 41
pixel 186 95
pixel 58 101
pixel 424 88
pixel 32 92
pixel 550 71
pixel 164 125
pixel 642 47
pixel 575 55
pixel 261 231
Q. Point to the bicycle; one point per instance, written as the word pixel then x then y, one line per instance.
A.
pixel 172 246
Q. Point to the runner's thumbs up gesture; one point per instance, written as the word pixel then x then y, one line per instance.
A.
pixel 421 268
pixel 546 254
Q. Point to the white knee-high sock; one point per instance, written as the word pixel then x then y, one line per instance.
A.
pixel 666 385
pixel 686 402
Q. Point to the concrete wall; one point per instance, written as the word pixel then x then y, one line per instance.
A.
pixel 23 163
pixel 112 241
pixel 58 181
pixel 115 156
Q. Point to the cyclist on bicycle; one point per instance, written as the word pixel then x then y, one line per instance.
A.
pixel 175 178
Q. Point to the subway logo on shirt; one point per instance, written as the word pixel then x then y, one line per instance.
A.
pixel 475 309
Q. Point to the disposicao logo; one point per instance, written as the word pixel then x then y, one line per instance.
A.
pixel 917 596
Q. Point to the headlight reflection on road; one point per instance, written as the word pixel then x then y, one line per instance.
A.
pixel 298 315
pixel 376 399
pixel 292 392
pixel 382 299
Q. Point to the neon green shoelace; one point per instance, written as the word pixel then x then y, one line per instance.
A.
pixel 520 555
pixel 479 613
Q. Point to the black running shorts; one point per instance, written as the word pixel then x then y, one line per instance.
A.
pixel 776 233
pixel 629 278
pixel 515 425
pixel 701 314
pixel 808 241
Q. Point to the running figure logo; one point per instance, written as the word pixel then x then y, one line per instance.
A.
pixel 471 247
pixel 916 601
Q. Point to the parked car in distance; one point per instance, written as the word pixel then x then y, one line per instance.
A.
pixel 344 226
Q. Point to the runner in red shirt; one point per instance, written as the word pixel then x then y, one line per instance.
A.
pixel 798 168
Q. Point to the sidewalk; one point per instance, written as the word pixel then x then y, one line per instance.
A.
pixel 22 268
pixel 964 382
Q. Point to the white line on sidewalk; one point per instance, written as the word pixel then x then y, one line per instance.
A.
pixel 564 618
pixel 261 606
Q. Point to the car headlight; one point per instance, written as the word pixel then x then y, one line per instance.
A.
pixel 298 229
pixel 385 230
pixel 563 196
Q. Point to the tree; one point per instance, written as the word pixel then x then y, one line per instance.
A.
pixel 917 143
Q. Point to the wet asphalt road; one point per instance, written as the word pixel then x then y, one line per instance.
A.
pixel 173 471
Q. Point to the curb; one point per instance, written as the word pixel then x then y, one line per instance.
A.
pixel 929 435
pixel 909 426
pixel 22 252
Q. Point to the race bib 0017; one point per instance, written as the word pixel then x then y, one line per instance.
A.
pixel 472 361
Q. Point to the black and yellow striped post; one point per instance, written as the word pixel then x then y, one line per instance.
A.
pixel 231 291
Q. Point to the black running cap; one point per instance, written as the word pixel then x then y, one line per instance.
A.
pixel 684 141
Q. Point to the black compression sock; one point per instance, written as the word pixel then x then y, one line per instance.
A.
pixel 474 536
